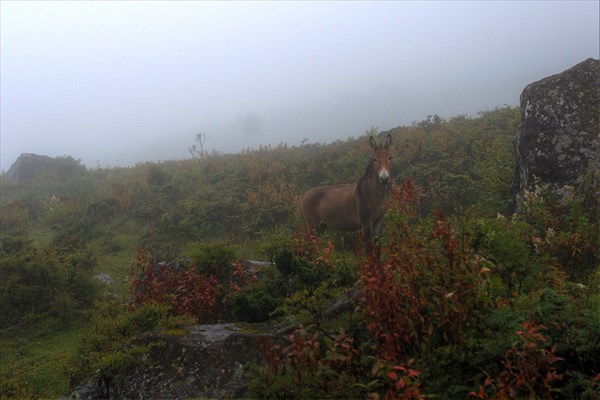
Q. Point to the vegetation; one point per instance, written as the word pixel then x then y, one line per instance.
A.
pixel 464 300
pixel 460 307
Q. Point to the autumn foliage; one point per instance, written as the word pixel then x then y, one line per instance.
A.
pixel 185 289
pixel 437 320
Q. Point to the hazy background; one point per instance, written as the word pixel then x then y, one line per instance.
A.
pixel 116 83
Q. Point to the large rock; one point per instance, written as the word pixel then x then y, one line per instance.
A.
pixel 30 166
pixel 27 167
pixel 207 362
pixel 558 140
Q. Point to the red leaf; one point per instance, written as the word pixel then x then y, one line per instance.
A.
pixel 413 373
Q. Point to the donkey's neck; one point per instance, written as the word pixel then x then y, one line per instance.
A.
pixel 369 185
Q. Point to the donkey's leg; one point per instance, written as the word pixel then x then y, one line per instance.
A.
pixel 372 248
pixel 313 229
pixel 377 226
pixel 368 234
pixel 314 226
pixel 310 220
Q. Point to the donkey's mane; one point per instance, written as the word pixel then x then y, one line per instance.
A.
pixel 368 169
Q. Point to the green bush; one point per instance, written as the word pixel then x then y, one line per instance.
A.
pixel 102 352
pixel 506 243
pixel 256 303
pixel 44 286
pixel 214 258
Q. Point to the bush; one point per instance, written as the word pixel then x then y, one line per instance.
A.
pixel 177 286
pixel 214 258
pixel 454 307
pixel 506 244
pixel 44 286
pixel 255 304
pixel 103 351
pixel 204 291
pixel 307 263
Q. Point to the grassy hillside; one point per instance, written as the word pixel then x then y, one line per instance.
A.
pixel 61 229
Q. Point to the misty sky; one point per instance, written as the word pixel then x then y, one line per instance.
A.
pixel 116 83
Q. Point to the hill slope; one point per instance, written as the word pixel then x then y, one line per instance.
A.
pixel 474 278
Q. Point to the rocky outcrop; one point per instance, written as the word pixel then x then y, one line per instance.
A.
pixel 209 361
pixel 558 140
pixel 31 166
pixel 206 361
pixel 27 167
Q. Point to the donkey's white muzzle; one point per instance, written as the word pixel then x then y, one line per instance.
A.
pixel 384 176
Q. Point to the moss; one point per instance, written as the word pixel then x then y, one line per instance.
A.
pixel 177 332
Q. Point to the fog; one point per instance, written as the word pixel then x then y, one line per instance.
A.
pixel 117 83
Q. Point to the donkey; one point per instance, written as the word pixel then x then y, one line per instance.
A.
pixel 350 207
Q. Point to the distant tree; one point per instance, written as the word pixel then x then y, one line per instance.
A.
pixel 197 149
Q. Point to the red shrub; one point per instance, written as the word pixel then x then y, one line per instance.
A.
pixel 201 295
pixel 528 367
pixel 427 286
pixel 424 291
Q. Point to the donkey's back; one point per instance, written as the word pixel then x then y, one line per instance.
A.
pixel 334 206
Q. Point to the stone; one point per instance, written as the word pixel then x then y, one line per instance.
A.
pixel 558 140
pixel 209 361
pixel 206 361
pixel 31 166
pixel 104 278
pixel 26 167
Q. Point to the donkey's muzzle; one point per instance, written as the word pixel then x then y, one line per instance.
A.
pixel 384 177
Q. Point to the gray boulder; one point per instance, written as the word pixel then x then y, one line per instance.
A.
pixel 209 361
pixel 31 166
pixel 27 167
pixel 558 140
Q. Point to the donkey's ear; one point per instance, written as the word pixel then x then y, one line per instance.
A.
pixel 388 141
pixel 372 142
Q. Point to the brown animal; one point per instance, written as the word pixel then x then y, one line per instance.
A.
pixel 350 207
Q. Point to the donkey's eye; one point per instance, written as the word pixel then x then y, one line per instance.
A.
pixel 390 158
pixel 374 159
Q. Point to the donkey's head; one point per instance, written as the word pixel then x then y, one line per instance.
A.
pixel 382 159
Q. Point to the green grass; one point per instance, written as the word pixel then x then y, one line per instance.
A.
pixel 34 366
pixel 116 252
pixel 41 235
